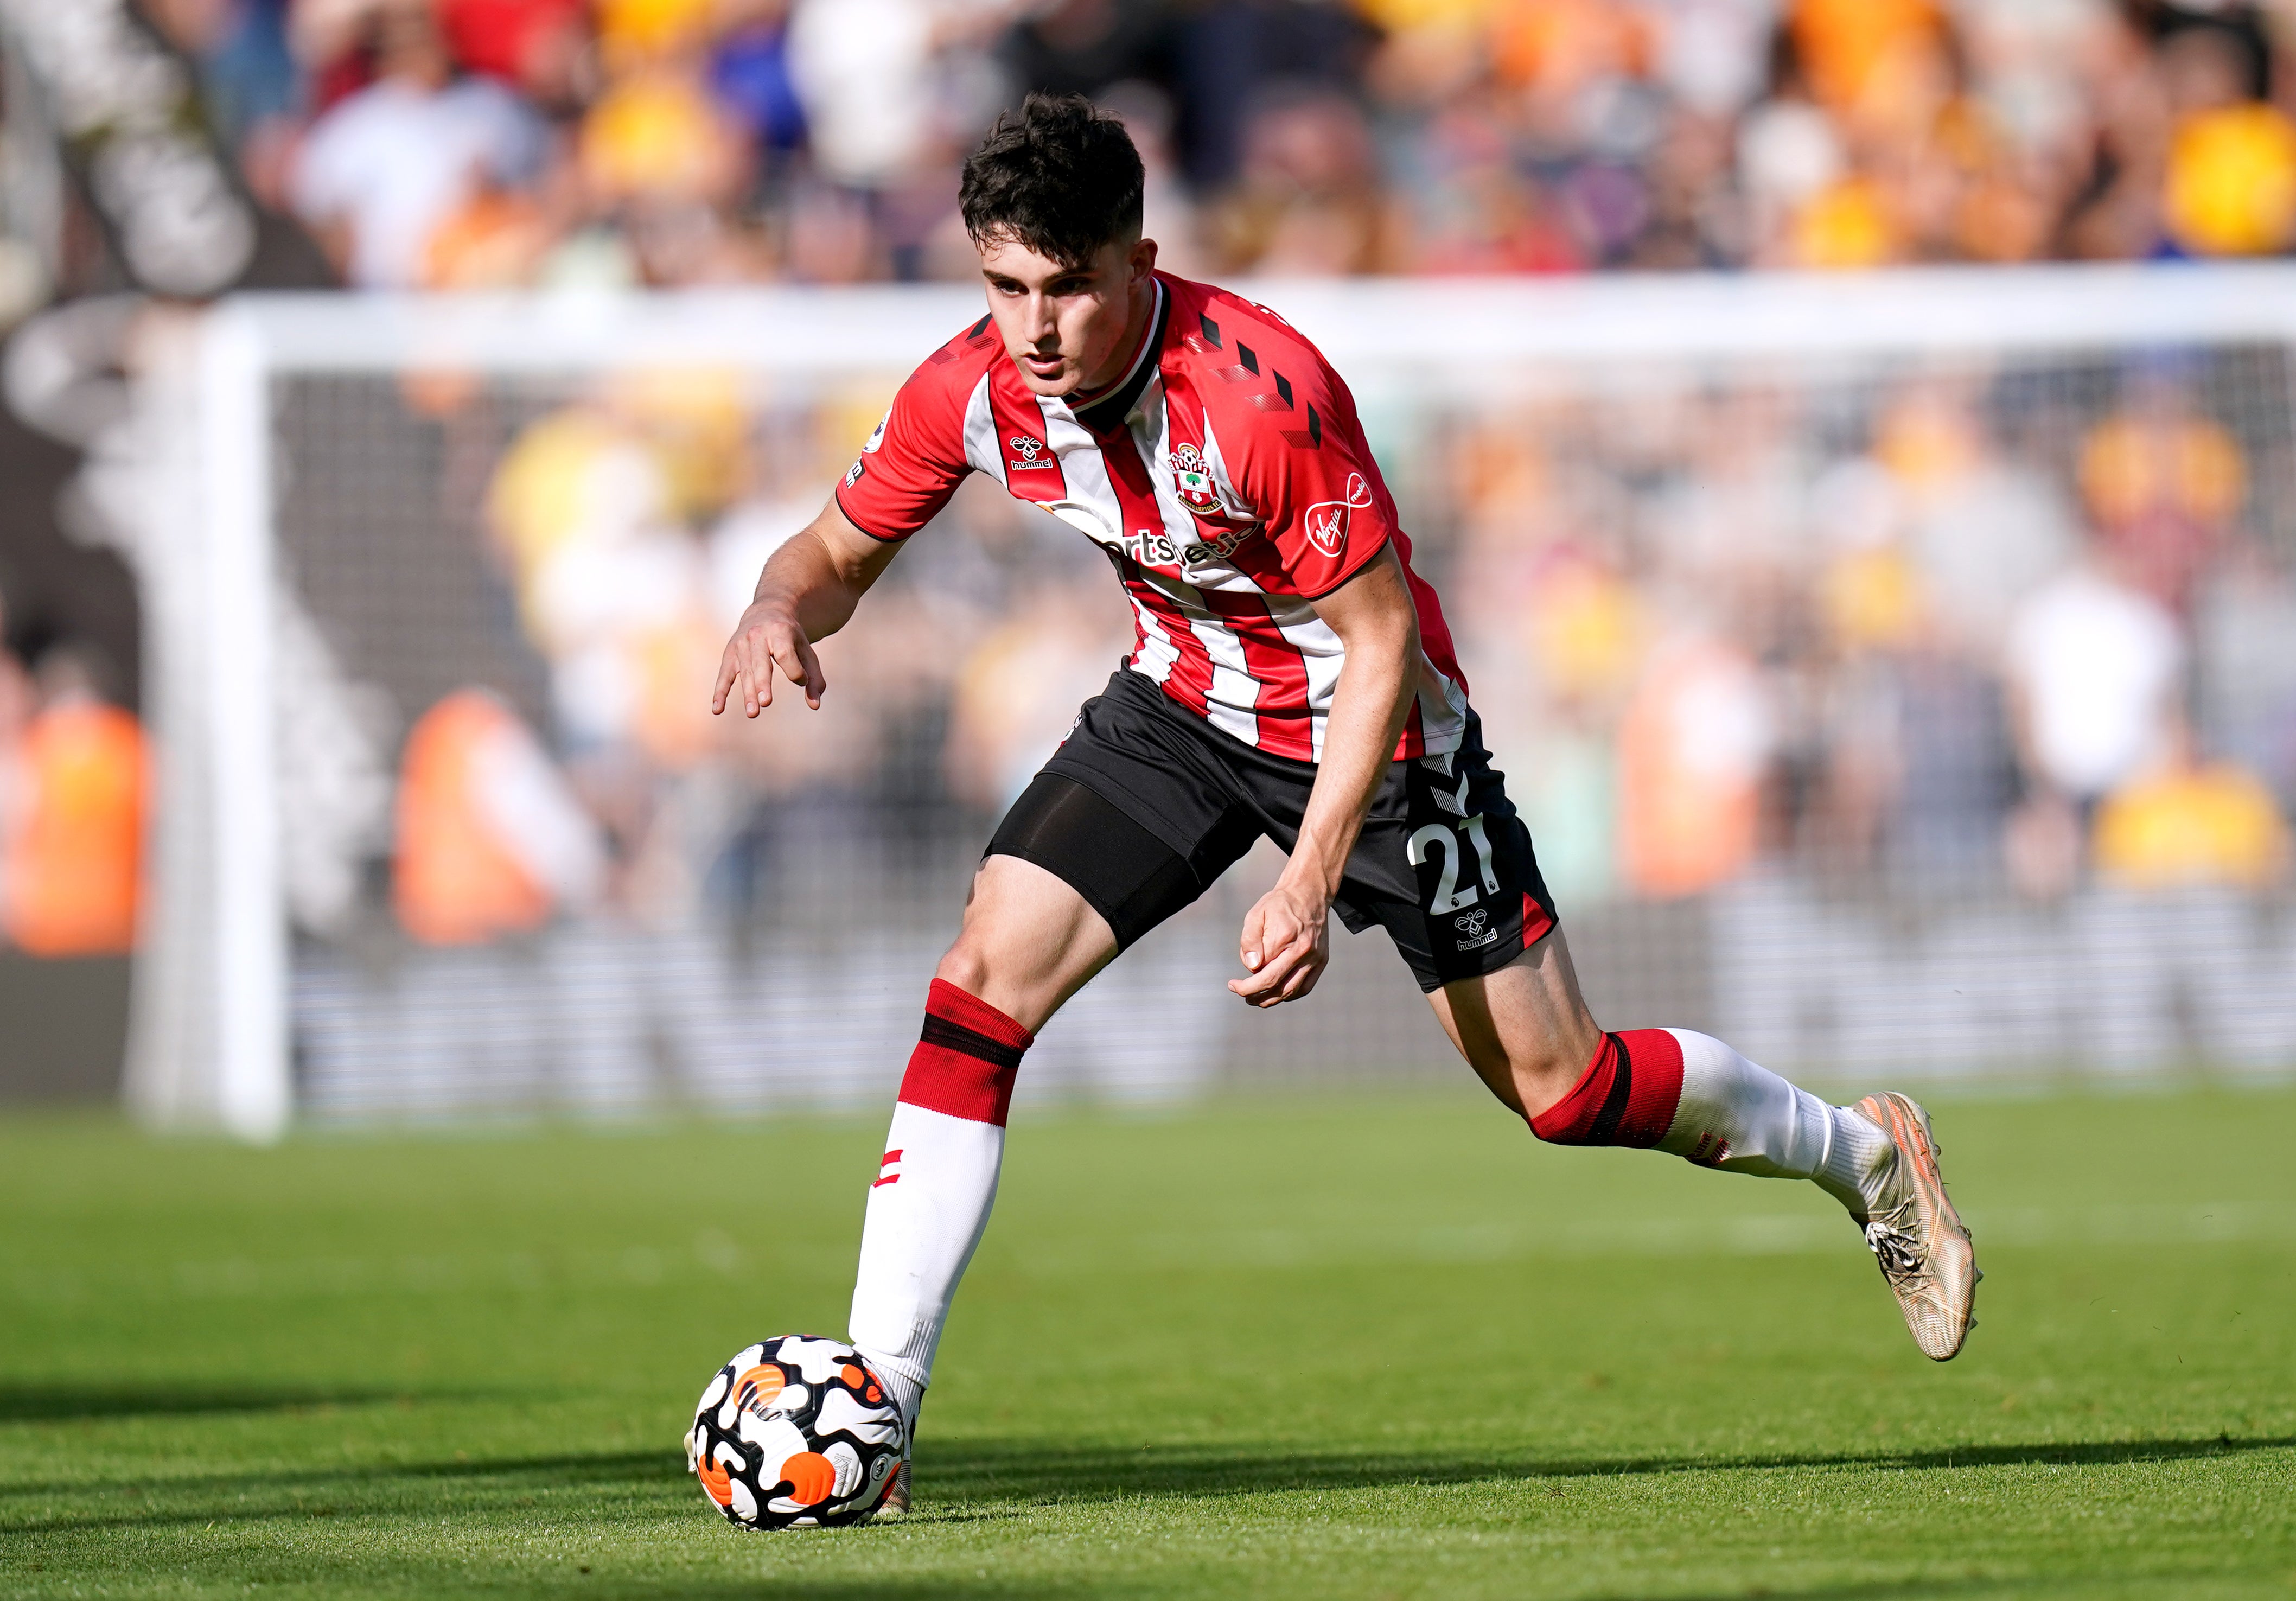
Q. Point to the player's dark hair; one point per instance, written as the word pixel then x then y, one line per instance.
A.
pixel 1060 176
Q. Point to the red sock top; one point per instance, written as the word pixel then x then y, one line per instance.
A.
pixel 945 999
pixel 1626 1096
pixel 967 1059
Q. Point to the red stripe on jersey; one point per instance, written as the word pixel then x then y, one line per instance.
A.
pixel 1286 721
pixel 1031 471
pixel 1190 682
pixel 1139 620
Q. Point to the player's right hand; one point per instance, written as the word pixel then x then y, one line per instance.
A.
pixel 1285 946
pixel 767 637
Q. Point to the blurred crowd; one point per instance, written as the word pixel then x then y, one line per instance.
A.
pixel 626 528
pixel 1926 635
pixel 488 143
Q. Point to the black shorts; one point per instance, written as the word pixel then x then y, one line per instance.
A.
pixel 1144 806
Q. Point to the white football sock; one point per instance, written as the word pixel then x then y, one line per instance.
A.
pixel 1745 1118
pixel 930 1201
pixel 927 1209
pixel 1859 1168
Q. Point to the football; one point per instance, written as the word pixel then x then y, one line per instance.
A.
pixel 796 1433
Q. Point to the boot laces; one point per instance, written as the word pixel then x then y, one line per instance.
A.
pixel 1898 1253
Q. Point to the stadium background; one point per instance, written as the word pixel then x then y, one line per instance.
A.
pixel 1876 706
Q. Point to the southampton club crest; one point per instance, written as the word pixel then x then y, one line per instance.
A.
pixel 1192 481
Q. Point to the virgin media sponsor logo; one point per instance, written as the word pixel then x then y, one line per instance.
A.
pixel 1327 520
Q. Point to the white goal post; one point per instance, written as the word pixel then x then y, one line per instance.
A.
pixel 212 1039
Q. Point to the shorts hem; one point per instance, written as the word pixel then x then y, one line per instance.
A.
pixel 1124 940
pixel 1498 957
pixel 1085 777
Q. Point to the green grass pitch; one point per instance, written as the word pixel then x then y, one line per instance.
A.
pixel 1372 1348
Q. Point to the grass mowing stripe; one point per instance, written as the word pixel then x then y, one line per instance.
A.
pixel 1386 1348
pixel 1751 1234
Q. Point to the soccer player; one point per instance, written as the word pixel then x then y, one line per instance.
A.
pixel 1291 677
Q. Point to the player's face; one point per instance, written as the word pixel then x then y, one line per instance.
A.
pixel 1067 328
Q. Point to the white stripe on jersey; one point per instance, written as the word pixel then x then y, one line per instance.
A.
pixel 1320 652
pixel 1091 507
pixel 1234 690
pixel 982 452
pixel 1156 653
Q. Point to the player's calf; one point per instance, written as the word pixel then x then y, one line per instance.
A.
pixel 1688 1093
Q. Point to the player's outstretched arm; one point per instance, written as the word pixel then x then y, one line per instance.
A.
pixel 1286 936
pixel 807 592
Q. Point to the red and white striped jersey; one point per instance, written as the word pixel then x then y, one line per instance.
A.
pixel 1227 478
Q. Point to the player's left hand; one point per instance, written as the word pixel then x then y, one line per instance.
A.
pixel 1286 942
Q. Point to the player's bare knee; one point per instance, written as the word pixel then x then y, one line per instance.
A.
pixel 965 963
pixel 989 962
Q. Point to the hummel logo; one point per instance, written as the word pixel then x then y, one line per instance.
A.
pixel 1031 452
pixel 892 1159
pixel 1475 929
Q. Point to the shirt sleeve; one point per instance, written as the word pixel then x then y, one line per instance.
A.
pixel 911 465
pixel 1318 492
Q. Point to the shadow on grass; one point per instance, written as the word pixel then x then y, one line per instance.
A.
pixel 999 1469
pixel 960 1482
pixel 343 1488
pixel 688 1586
pixel 1116 1585
pixel 64 1403
pixel 2090 1586
pixel 691 1587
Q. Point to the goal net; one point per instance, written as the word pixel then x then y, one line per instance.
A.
pixel 1898 672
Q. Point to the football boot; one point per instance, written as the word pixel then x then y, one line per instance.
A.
pixel 896 1502
pixel 1916 1236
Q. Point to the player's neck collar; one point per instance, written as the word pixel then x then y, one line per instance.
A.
pixel 1109 408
